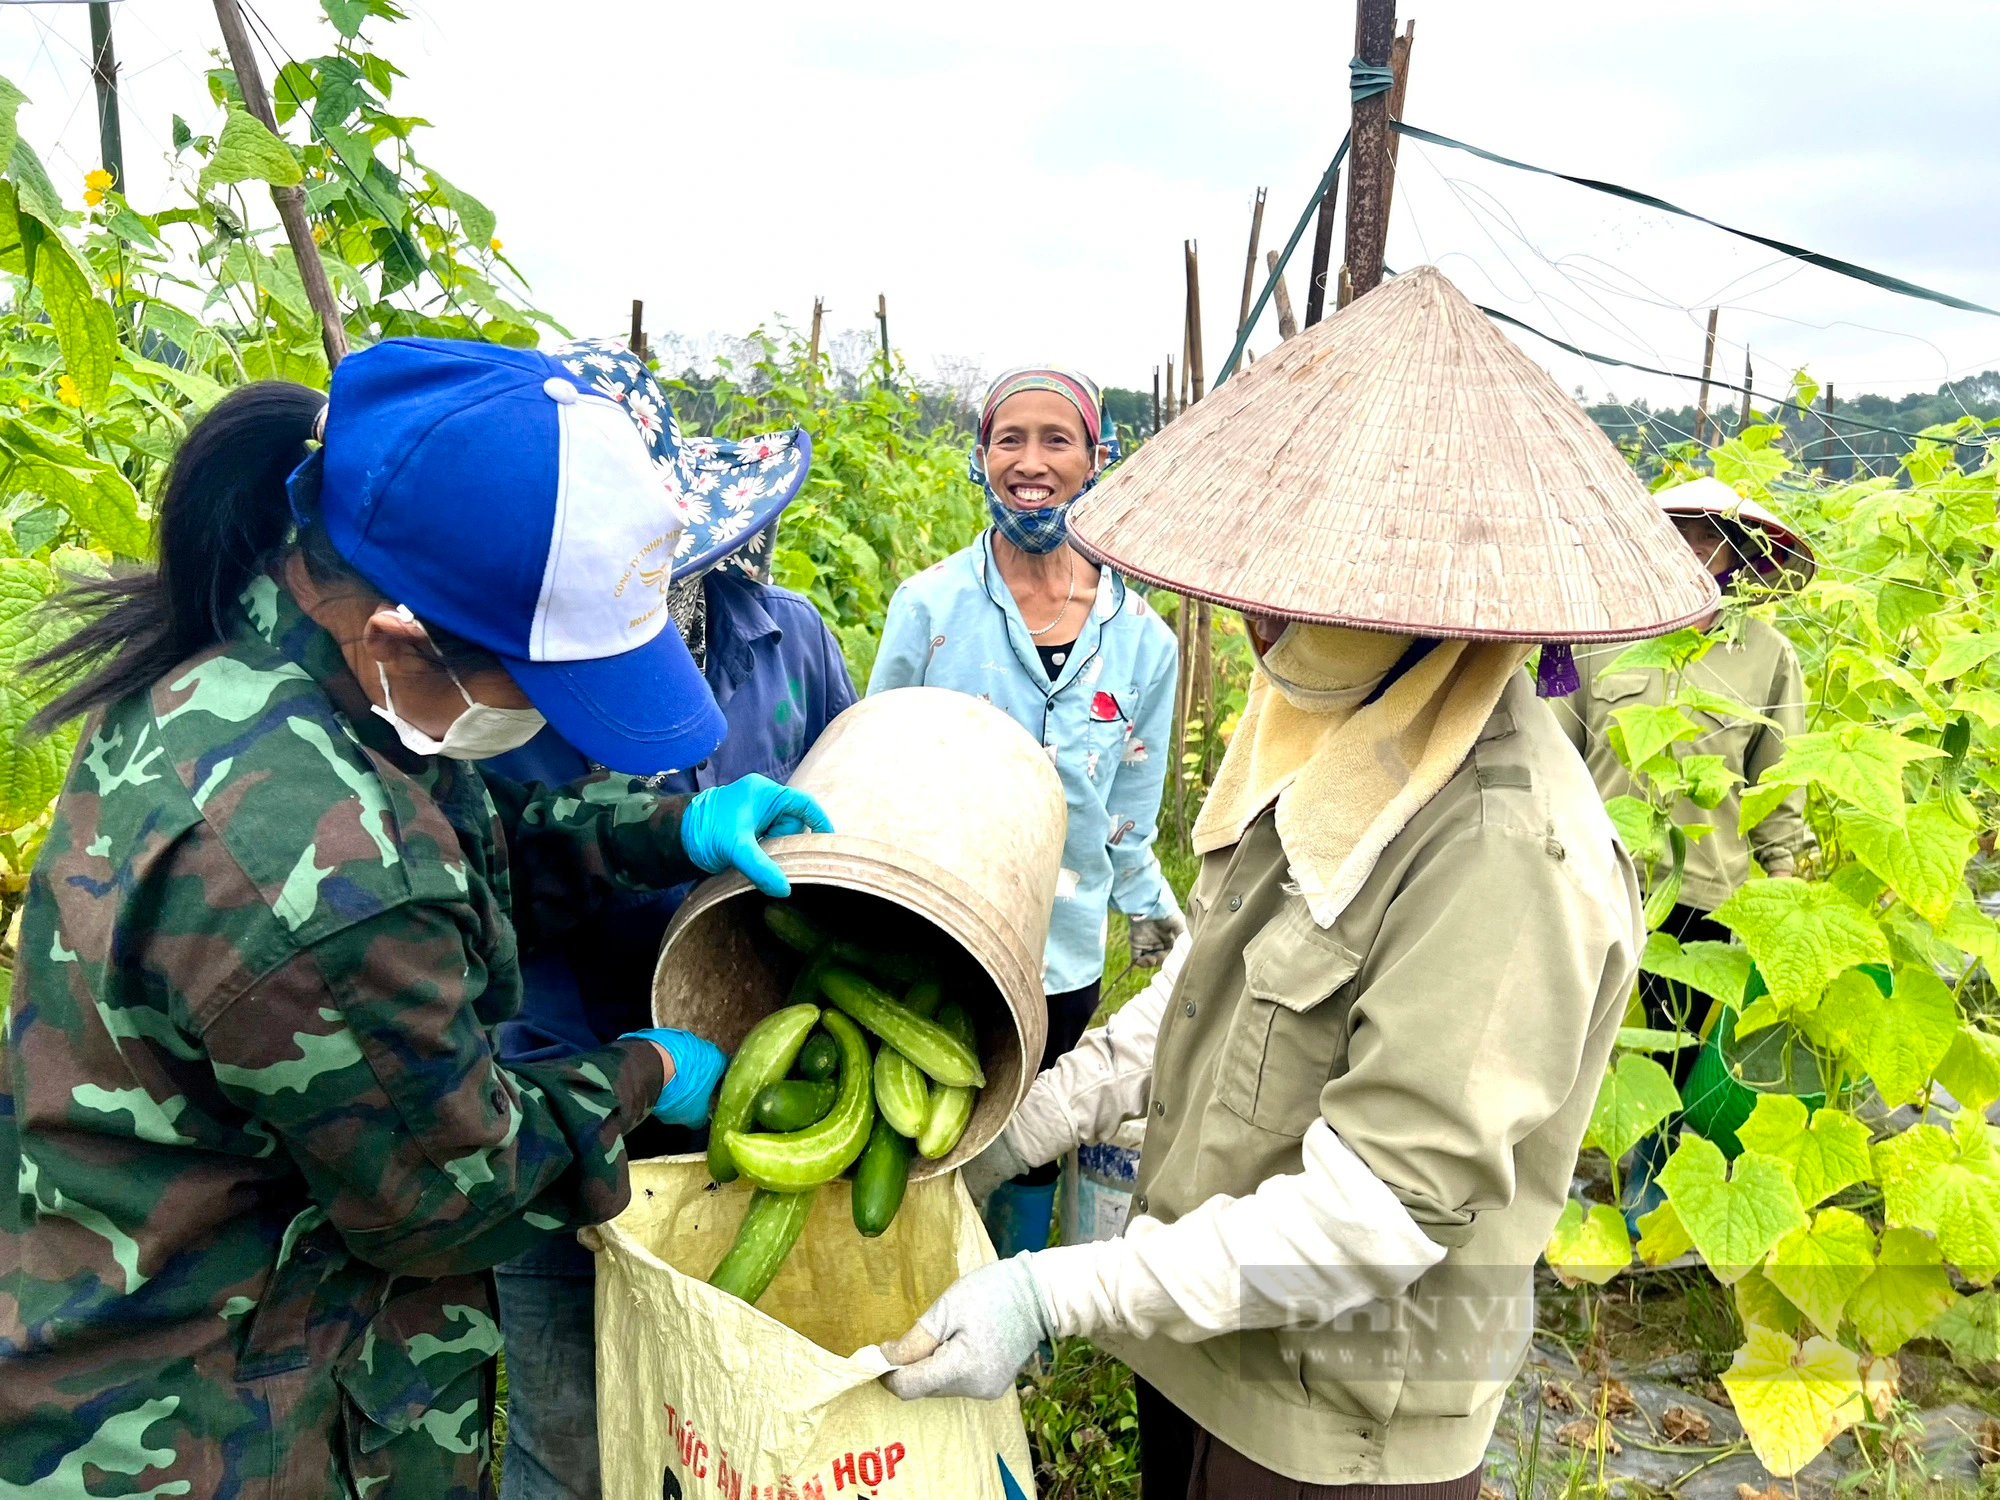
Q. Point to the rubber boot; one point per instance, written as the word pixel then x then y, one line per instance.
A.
pixel 1642 1191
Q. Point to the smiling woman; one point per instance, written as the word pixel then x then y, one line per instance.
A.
pixel 1081 662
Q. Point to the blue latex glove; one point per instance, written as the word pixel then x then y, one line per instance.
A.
pixel 698 1065
pixel 720 829
pixel 974 1339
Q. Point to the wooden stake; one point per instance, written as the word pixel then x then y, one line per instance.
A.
pixel 1368 154
pixel 1204 681
pixel 1346 287
pixel 1250 260
pixel 290 201
pixel 1170 412
pixel 812 349
pixel 1196 380
pixel 1707 369
pixel 882 317
pixel 1287 324
pixel 1322 260
pixel 104 73
pixel 637 343
pixel 1156 398
pixel 1399 64
pixel 1749 391
pixel 1184 641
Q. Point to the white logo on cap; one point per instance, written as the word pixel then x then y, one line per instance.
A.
pixel 560 391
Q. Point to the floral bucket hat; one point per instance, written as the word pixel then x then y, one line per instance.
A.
pixel 730 493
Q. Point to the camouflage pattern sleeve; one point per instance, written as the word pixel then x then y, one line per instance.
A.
pixel 364 1056
pixel 573 848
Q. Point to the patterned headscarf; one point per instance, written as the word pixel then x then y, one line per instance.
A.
pixel 1036 530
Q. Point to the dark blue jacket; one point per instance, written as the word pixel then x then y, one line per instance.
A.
pixel 778 675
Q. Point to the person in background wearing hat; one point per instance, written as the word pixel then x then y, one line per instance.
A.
pixel 265 1151
pixel 1366 1070
pixel 1755 666
pixel 1023 620
pixel 777 674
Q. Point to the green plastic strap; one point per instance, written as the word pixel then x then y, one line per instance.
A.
pixel 1839 267
pixel 1365 80
pixel 1326 182
pixel 1611 359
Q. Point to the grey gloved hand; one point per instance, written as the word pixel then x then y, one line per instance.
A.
pixel 974 1339
pixel 1153 938
pixel 998 1163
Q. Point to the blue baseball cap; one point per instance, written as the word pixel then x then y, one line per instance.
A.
pixel 500 499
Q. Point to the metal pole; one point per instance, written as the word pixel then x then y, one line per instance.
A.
pixel 104 72
pixel 291 201
pixel 1368 157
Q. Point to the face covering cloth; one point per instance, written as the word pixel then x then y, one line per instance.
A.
pixel 1348 774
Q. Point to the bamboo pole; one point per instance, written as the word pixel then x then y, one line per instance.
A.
pixel 1749 391
pixel 290 201
pixel 1196 380
pixel 637 343
pixel 1287 324
pixel 1156 398
pixel 1346 287
pixel 1204 683
pixel 1170 412
pixel 1399 64
pixel 812 349
pixel 1322 253
pixel 1707 369
pixel 1250 260
pixel 1183 643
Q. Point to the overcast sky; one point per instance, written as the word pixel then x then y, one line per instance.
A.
pixel 1018 181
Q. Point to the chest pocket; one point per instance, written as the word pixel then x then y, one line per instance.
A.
pixel 1289 1034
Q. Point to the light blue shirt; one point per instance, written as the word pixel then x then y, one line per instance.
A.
pixel 1105 721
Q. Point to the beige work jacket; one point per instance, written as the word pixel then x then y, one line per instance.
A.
pixel 1761 672
pixel 1451 1027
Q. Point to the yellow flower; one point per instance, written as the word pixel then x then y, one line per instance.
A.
pixel 24 403
pixel 494 243
pixel 66 391
pixel 94 185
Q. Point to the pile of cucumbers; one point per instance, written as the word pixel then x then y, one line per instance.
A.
pixel 823 1100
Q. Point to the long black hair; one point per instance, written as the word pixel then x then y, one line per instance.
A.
pixel 224 511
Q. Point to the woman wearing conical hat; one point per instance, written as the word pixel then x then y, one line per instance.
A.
pixel 1754 665
pixel 1366 1069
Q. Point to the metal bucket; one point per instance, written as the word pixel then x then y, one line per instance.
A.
pixel 950 822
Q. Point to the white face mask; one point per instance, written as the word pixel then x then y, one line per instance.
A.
pixel 479 733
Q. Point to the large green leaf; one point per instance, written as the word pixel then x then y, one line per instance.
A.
pixel 247 151
pixel 1648 728
pixel 1857 763
pixel 1899 605
pixel 474 217
pixel 1801 936
pixel 11 99
pixel 1905 1291
pixel 1825 1156
pixel 86 327
pixel 1959 654
pixel 1662 1236
pixel 1793 1399
pixel 1637 829
pixel 31 770
pixel 1759 1304
pixel 36 194
pixel 1944 1184
pixel 1665 652
pixel 1971 1069
pixel 1922 857
pixel 1970 1328
pixel 1733 1221
pixel 26 629
pixel 1719 970
pixel 1721 705
pixel 1897 1039
pixel 1592 1247
pixel 1743 467
pixel 97 496
pixel 1823 1264
pixel 1635 1096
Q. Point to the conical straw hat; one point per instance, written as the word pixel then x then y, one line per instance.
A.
pixel 1402 466
pixel 1785 554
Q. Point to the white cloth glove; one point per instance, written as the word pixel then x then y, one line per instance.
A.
pixel 1153 938
pixel 998 1163
pixel 974 1339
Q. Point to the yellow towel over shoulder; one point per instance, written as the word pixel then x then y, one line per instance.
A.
pixel 1347 774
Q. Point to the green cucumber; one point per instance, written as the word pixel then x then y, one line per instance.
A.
pixel 902 1092
pixel 771 1226
pixel 880 1177
pixel 795 929
pixel 793 1103
pixel 950 1109
pixel 805 989
pixel 1661 898
pixel 764 1057
pixel 924 1042
pixel 820 1060
pixel 922 998
pixel 801 1159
